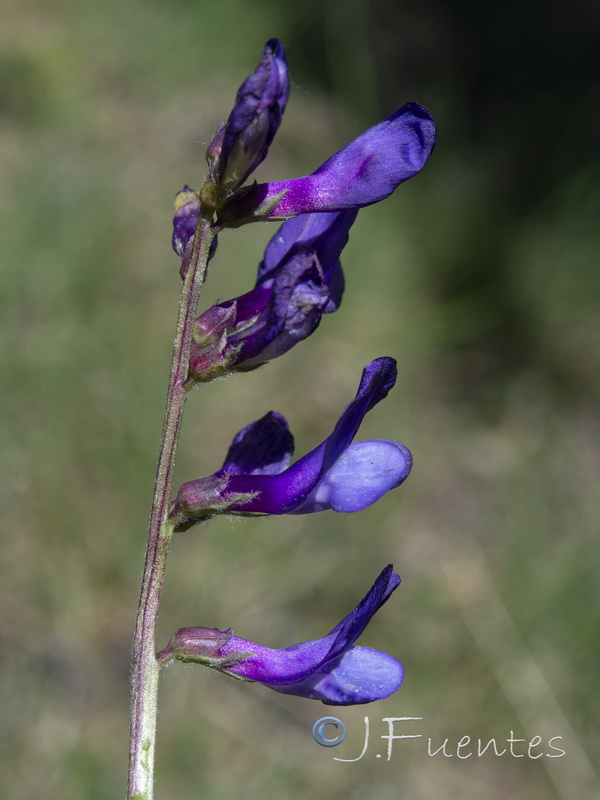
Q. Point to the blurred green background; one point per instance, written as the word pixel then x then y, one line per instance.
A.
pixel 480 276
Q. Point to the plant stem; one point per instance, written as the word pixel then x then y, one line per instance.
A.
pixel 145 668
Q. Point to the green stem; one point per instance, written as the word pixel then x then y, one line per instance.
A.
pixel 145 667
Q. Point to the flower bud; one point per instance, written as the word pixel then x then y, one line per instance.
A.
pixel 185 221
pixel 255 118
pixel 239 146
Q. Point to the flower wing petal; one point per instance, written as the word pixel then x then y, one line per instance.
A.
pixel 360 476
pixel 360 675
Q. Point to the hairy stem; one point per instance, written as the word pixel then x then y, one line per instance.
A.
pixel 145 667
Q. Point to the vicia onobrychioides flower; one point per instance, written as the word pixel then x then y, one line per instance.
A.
pixel 299 280
pixel 337 475
pixel 331 669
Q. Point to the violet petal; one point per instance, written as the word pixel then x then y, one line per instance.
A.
pixel 326 234
pixel 365 171
pixel 280 494
pixel 360 675
pixel 255 118
pixel 363 473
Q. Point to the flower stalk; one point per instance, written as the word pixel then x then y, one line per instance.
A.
pixel 145 667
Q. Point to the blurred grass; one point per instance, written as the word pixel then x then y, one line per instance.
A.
pixel 480 277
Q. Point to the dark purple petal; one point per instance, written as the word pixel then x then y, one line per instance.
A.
pixel 263 448
pixel 378 377
pixel 364 172
pixel 337 284
pixel 352 626
pixel 255 118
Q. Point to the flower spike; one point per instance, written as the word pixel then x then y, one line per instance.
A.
pixel 331 669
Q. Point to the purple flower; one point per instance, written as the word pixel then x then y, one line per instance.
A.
pixel 364 172
pixel 299 280
pixel 242 143
pixel 336 475
pixel 330 669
